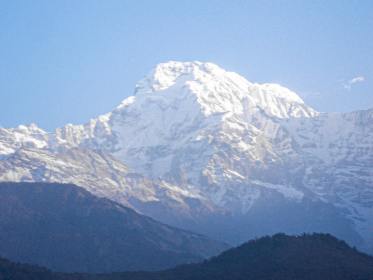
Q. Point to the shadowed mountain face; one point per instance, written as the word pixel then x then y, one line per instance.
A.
pixel 65 228
pixel 280 257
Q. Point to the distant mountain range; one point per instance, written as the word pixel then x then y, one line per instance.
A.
pixel 280 257
pixel 204 149
pixel 67 229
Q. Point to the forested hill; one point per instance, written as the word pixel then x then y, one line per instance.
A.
pixel 280 257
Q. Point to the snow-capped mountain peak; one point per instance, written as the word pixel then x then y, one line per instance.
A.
pixel 31 135
pixel 165 75
pixel 216 140
pixel 215 90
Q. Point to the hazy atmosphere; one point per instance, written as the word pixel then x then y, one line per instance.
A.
pixel 69 61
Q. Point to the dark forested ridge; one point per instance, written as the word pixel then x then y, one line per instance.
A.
pixel 10 270
pixel 280 257
pixel 67 229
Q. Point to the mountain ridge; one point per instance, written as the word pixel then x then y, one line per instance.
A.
pixel 231 146
pixel 304 257
pixel 67 229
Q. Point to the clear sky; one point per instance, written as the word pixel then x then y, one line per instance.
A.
pixel 68 61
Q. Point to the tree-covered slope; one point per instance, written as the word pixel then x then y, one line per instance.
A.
pixel 280 257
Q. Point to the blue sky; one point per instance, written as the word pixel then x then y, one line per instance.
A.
pixel 68 61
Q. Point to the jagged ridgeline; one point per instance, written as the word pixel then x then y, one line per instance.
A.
pixel 204 149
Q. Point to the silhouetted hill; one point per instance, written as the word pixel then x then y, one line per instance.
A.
pixel 14 271
pixel 65 228
pixel 280 257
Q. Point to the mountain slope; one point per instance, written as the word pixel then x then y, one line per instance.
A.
pixel 280 257
pixel 226 153
pixel 213 132
pixel 10 270
pixel 65 228
pixel 100 174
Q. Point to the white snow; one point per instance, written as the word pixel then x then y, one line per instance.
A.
pixel 287 191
